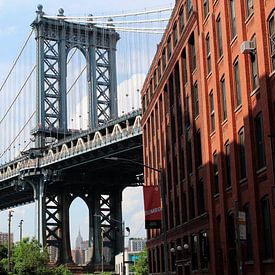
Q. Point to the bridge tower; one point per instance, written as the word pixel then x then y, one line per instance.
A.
pixel 55 38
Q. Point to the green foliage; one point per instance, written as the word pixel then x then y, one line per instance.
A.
pixel 29 258
pixel 141 266
pixel 61 270
pixel 3 251
pixel 3 266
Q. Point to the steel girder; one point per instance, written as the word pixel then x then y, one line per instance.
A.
pixel 55 38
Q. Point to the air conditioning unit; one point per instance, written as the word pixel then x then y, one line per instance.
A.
pixel 247 47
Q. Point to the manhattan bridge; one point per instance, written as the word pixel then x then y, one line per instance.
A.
pixel 63 115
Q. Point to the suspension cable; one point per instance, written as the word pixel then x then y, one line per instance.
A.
pixel 15 61
pixel 21 89
pixel 122 22
pixel 84 68
pixel 108 16
pixel 25 125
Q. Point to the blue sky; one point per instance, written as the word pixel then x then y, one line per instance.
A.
pixel 15 19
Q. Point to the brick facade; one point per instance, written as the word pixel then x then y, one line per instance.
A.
pixel 208 114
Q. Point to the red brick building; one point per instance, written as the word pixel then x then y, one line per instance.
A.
pixel 208 122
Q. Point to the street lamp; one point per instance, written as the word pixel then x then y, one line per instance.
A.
pixel 123 245
pixel 20 230
pixel 9 240
pixel 162 195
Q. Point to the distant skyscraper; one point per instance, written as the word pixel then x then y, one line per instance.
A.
pixel 78 241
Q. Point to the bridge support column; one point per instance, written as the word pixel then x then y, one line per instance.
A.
pixel 39 198
pixel 116 213
pixel 66 255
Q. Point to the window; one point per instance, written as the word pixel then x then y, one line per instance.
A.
pixel 184 64
pixel 163 59
pixel 204 249
pixel 259 139
pixel 184 207
pixel 271 25
pixel 198 149
pixel 212 112
pixel 242 168
pixel 181 17
pixel 191 202
pixel 249 7
pixel 266 233
pixel 187 112
pixel 208 53
pixel 155 80
pixel 201 199
pixel 159 71
pixel 196 100
pixel 237 83
pixel 194 251
pixel 189 156
pixel 169 47
pixel 233 19
pixel 175 34
pixel 193 61
pixel 249 241
pixel 254 67
pixel 215 174
pixel 223 96
pixel 205 8
pixel 227 164
pixel 189 7
pixel 219 36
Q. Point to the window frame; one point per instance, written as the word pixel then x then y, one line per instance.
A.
pixel 219 35
pixel 223 97
pixel 196 99
pixel 208 53
pixel 242 155
pixel 205 8
pixel 249 8
pixel 212 111
pixel 259 141
pixel 272 39
pixel 237 83
pixel 233 25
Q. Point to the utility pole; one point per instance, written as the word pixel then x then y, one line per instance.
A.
pixel 9 240
pixel 20 230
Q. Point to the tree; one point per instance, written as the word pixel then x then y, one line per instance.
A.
pixel 141 266
pixel 3 251
pixel 28 257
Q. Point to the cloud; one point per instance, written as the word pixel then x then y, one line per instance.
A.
pixel 128 93
pixel 133 210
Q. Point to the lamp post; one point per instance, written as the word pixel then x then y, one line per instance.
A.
pixel 9 240
pixel 20 230
pixel 123 245
pixel 162 195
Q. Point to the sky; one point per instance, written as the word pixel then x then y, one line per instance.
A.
pixel 15 19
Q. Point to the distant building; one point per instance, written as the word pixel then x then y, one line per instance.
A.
pixel 78 241
pixel 4 237
pixel 131 258
pixel 83 252
pixel 53 251
pixel 136 244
